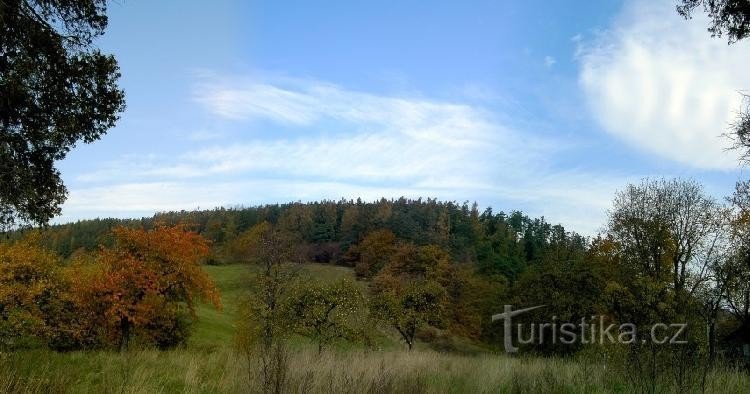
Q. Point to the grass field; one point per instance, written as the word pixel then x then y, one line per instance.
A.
pixel 214 328
pixel 209 365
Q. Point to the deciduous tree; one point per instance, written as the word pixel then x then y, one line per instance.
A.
pixel 30 289
pixel 326 312
pixel 147 277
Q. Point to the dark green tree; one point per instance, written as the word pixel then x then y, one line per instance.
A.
pixel 56 90
pixel 730 18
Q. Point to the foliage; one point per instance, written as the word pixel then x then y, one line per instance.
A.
pixel 145 287
pixel 326 312
pixel 30 289
pixel 266 322
pixel 571 286
pixel 409 308
pixel 372 253
pixel 738 275
pixel 666 231
pixel 730 17
pixel 146 278
pixel 499 243
pixel 57 90
pixel 408 293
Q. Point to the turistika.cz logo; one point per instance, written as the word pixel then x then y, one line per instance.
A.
pixel 593 330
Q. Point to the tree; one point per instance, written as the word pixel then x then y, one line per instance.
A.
pixel 57 90
pixel 408 293
pixel 738 277
pixel 728 17
pixel 372 253
pixel 668 234
pixel 146 278
pixel 665 229
pixel 267 322
pixel 30 288
pixel 739 131
pixel 326 312
pixel 409 307
pixel 570 284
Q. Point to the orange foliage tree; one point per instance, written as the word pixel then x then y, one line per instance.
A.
pixel 147 285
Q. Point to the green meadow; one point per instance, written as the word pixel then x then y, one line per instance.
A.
pixel 209 363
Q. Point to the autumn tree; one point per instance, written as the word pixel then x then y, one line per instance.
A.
pixel 408 293
pixel 409 307
pixel 297 219
pixel 57 90
pixel 326 312
pixel 31 286
pixel 147 280
pixel 372 253
pixel 470 298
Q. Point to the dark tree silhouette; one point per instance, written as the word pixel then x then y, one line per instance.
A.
pixel 739 131
pixel 56 89
pixel 730 18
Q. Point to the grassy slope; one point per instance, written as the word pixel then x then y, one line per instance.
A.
pixel 216 328
pixel 208 364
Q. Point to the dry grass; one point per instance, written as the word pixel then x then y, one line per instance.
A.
pixel 223 371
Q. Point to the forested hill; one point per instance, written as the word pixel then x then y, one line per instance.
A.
pixel 498 242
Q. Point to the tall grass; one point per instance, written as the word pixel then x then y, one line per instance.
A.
pixel 209 365
pixel 354 371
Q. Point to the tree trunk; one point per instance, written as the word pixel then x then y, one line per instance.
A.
pixel 711 342
pixel 124 333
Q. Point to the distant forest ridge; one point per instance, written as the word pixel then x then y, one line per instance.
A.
pixel 332 227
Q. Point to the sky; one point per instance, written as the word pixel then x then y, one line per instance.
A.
pixel 548 107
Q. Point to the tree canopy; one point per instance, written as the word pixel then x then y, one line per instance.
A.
pixel 56 90
pixel 730 18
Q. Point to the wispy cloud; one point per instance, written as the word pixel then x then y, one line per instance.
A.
pixel 664 85
pixel 205 135
pixel 342 143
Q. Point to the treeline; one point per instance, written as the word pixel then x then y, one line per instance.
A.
pixel 499 243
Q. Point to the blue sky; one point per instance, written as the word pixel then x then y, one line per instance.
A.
pixel 547 107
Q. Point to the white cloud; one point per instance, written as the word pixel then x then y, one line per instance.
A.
pixel 664 85
pixel 549 61
pixel 205 135
pixel 379 146
pixel 388 138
